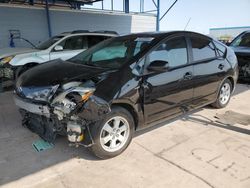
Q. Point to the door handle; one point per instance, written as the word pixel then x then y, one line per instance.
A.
pixel 221 66
pixel 188 76
pixel 145 85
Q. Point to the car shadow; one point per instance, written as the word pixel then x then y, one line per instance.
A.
pixel 202 120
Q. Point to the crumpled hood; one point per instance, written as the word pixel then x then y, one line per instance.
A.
pixel 4 52
pixel 58 72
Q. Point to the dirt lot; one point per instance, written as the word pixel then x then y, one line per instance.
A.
pixel 193 151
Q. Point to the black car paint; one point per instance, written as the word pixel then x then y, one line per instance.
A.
pixel 149 96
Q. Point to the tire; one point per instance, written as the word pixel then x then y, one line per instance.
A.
pixel 224 94
pixel 113 134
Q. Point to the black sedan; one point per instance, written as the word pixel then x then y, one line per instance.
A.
pixel 241 47
pixel 100 97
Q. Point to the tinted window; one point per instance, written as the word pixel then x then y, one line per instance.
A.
pixel 93 40
pixel 142 44
pixel 74 43
pixel 202 49
pixel 221 49
pixel 173 51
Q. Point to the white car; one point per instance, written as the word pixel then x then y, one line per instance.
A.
pixel 14 61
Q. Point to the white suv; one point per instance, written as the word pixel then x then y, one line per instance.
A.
pixel 14 61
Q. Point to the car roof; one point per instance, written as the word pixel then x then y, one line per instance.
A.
pixel 164 34
pixel 87 32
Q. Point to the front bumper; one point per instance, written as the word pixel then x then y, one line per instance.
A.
pixel 38 109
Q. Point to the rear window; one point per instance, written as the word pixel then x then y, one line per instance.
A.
pixel 202 49
pixel 221 49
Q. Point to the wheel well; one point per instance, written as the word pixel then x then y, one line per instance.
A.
pixel 30 64
pixel 25 67
pixel 130 109
pixel 232 82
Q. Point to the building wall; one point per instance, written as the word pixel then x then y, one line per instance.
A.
pixel 229 32
pixel 32 22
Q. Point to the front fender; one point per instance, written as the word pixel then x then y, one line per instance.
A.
pixel 23 59
pixel 94 109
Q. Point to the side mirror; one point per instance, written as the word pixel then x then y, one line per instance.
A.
pixel 158 66
pixel 58 48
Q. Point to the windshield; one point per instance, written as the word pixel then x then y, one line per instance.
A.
pixel 242 40
pixel 113 53
pixel 49 42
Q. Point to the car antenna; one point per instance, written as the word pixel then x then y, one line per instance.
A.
pixel 187 24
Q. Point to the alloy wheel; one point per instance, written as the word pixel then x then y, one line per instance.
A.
pixel 225 93
pixel 114 134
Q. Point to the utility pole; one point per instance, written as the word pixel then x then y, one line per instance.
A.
pixel 158 7
pixel 158 16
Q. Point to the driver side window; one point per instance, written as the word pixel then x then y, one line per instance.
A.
pixel 173 51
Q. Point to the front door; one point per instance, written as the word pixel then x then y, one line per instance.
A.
pixel 71 47
pixel 168 93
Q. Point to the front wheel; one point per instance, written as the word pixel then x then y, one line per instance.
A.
pixel 224 94
pixel 113 134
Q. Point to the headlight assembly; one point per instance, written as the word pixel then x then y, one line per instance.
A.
pixel 40 94
pixel 6 60
pixel 67 101
pixel 83 92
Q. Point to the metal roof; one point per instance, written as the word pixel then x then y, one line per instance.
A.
pixel 225 28
pixel 51 2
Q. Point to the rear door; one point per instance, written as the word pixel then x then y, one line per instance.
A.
pixel 71 47
pixel 209 69
pixel 168 93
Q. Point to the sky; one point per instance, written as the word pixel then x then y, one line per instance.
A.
pixel 203 14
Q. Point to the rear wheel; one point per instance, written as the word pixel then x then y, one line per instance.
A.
pixel 224 94
pixel 113 134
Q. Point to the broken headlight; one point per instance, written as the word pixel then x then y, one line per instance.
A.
pixel 39 93
pixel 67 101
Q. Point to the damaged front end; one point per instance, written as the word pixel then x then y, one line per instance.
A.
pixel 68 111
pixel 244 65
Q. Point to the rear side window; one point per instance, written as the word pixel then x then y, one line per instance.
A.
pixel 221 49
pixel 202 49
pixel 74 43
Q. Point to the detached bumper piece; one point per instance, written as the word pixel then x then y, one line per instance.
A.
pixel 41 145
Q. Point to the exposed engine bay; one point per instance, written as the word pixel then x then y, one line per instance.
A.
pixel 244 66
pixel 66 110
